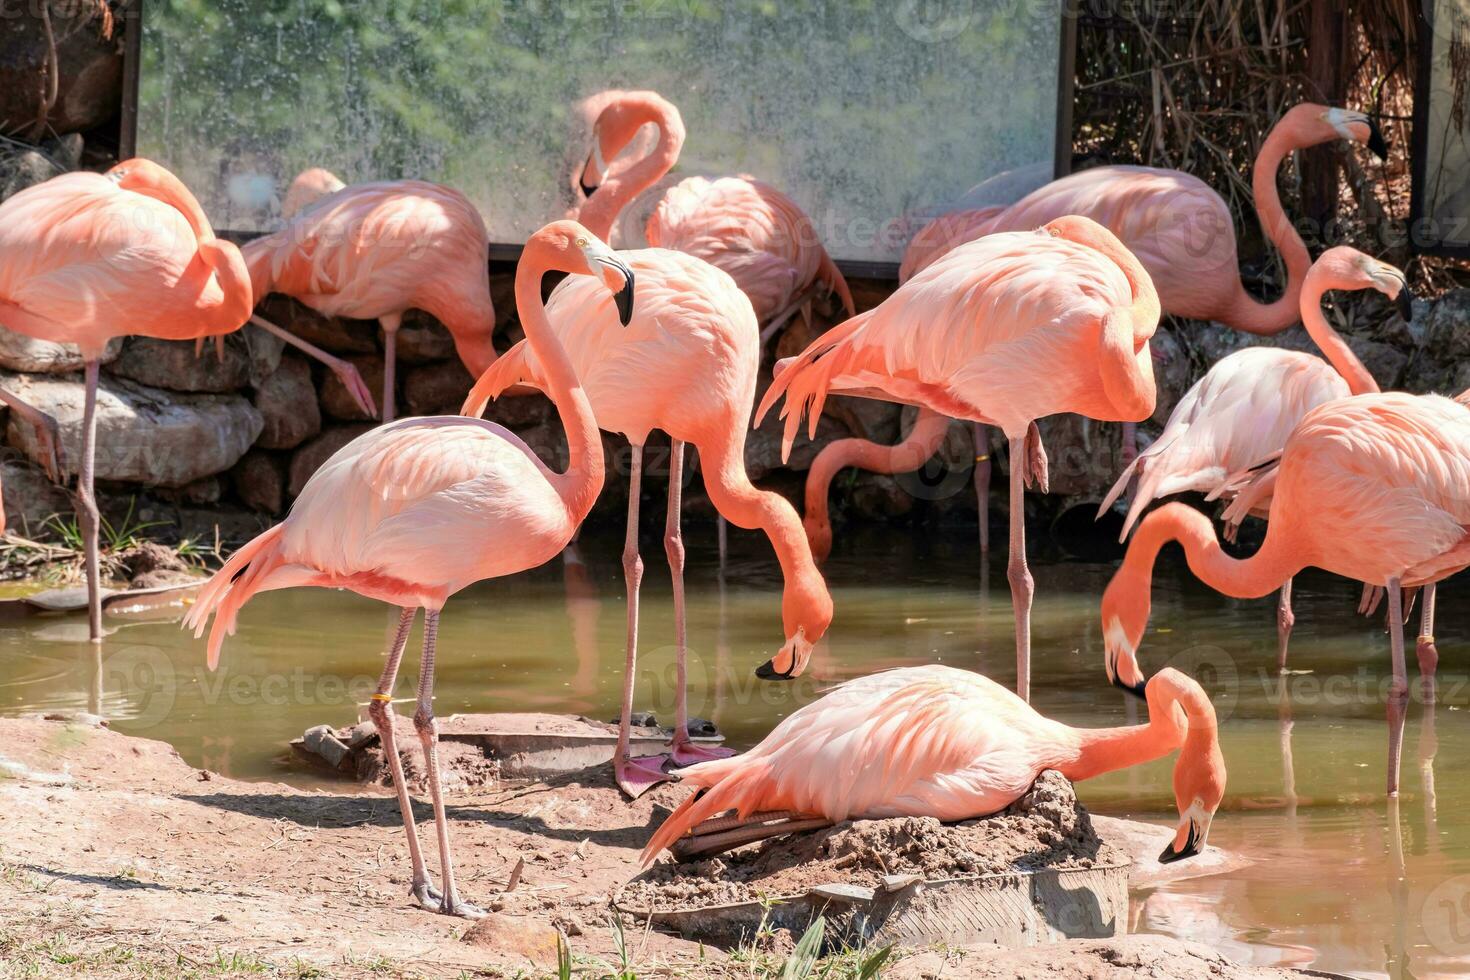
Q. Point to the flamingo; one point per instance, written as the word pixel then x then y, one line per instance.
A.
pixel 1370 487
pixel 373 252
pixel 935 741
pixel 88 257
pixel 1245 407
pixel 739 224
pixel 1003 330
pixel 686 364
pixel 1179 228
pixel 413 511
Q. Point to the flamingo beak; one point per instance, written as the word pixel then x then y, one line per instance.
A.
pixel 1405 303
pixel 1193 844
pixel 619 278
pixel 587 169
pixel 1376 143
pixel 793 657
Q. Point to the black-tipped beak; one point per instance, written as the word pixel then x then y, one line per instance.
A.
pixel 768 672
pixel 1405 303
pixel 1137 690
pixel 1192 846
pixel 624 297
pixel 587 189
pixel 1376 142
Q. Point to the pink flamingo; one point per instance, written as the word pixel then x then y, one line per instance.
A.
pixel 1370 487
pixel 412 512
pixel 1246 406
pixel 939 742
pixel 1177 226
pixel 1003 330
pixel 375 251
pixel 88 257
pixel 744 226
pixel 686 364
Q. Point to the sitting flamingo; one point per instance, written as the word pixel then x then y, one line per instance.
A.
pixel 412 512
pixel 1370 487
pixel 1179 228
pixel 1245 407
pixel 936 741
pixel 744 226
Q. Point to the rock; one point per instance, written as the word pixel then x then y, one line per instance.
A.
pixel 151 564
pixel 66 150
pixel 335 399
pixel 21 353
pixel 518 412
pixel 89 67
pixel 422 340
pixel 22 169
pixel 309 458
pixel 1083 456
pixel 333 334
pixel 438 389
pixel 230 526
pixel 260 481
pixel 287 403
pixel 205 491
pixel 1172 372
pixel 1447 325
pixel 520 938
pixel 549 442
pixel 30 498
pixel 763 445
pixel 322 742
pixel 172 364
pixel 144 435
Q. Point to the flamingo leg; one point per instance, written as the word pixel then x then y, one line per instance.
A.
pixel 88 514
pixel 981 476
pixel 48 434
pixel 1022 585
pixel 380 710
pixel 428 729
pixel 1285 620
pixel 1424 647
pixel 1130 442
pixel 683 751
pixel 634 776
pixel 722 534
pixel 390 324
pixel 724 833
pixel 345 371
pixel 1398 691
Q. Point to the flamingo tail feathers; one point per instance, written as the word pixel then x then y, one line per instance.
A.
pixel 807 380
pixel 509 369
pixel 739 783
pixel 231 587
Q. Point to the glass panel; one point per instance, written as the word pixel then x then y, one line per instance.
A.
pixel 1444 201
pixel 860 111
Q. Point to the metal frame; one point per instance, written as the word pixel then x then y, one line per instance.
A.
pixel 1420 145
pixel 511 252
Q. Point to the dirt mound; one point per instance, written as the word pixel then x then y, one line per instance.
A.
pixel 1045 828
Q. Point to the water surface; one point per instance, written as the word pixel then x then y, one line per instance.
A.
pixel 1344 880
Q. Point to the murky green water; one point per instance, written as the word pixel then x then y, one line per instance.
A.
pixel 1340 883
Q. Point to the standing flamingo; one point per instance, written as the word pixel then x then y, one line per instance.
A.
pixel 686 364
pixel 375 251
pixel 935 741
pixel 1003 330
pixel 88 257
pixel 412 512
pixel 1370 487
pixel 744 226
pixel 1246 406
pixel 1177 226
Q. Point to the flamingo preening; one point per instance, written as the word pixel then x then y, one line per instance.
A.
pixel 1246 406
pixel 411 512
pixel 936 741
pixel 744 226
pixel 374 252
pixel 1003 330
pixel 685 364
pixel 1370 487
pixel 1180 230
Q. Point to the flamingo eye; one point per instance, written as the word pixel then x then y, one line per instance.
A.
pixel 581 243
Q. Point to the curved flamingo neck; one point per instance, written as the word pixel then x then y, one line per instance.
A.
pixel 471 323
pixel 1246 313
pixel 1243 578
pixel 1338 353
pixel 603 207
pixel 579 486
pixel 722 457
pixel 1178 713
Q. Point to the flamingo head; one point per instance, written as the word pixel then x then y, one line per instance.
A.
pixel 1312 124
pixel 1199 772
pixel 1348 268
pixel 818 534
pixel 806 612
pixel 1125 609
pixel 579 251
pixel 616 127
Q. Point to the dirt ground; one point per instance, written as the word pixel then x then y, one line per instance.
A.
pixel 119 859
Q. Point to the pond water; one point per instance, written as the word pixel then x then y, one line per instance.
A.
pixel 1344 879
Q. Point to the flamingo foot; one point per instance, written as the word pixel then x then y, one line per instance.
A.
pixel 351 379
pixel 426 895
pixel 48 439
pixel 685 753
pixel 637 776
